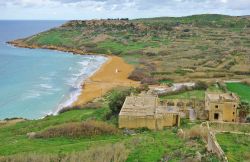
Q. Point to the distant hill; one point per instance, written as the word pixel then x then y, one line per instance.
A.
pixel 204 47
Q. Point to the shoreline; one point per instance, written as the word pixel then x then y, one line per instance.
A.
pixel 73 97
pixel 112 73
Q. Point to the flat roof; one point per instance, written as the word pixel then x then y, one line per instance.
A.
pixel 216 97
pixel 139 106
pixel 144 106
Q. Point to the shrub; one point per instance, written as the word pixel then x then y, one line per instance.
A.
pixel 66 109
pixel 142 87
pixel 117 98
pixel 201 85
pixel 88 128
pixel 149 80
pixel 138 74
pixel 186 30
pixel 196 132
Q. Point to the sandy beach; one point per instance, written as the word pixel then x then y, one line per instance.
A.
pixel 112 74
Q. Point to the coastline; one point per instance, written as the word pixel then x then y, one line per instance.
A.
pixel 113 73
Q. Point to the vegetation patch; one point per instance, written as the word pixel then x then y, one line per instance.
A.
pixel 194 94
pixel 235 146
pixel 111 152
pixel 76 130
pixel 242 90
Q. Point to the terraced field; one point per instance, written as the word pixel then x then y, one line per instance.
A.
pixel 200 47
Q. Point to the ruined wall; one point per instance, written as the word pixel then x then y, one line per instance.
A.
pixel 183 106
pixel 166 120
pixel 214 146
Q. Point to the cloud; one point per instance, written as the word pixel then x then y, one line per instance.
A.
pixel 80 9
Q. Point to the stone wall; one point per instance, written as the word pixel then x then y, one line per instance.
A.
pixel 157 122
pixel 213 146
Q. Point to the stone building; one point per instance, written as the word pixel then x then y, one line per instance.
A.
pixel 148 111
pixel 221 106
pixel 145 111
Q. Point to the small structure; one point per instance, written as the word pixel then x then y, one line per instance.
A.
pixel 145 111
pixel 221 106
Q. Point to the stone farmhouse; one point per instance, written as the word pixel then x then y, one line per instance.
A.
pixel 150 112
pixel 221 107
pixel 145 111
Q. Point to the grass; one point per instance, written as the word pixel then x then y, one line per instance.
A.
pixel 242 90
pixel 235 127
pixel 236 147
pixel 145 146
pixel 194 94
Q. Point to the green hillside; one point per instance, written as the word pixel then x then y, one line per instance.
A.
pixel 57 138
pixel 194 47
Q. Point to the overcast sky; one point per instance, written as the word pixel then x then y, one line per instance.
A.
pixel 96 9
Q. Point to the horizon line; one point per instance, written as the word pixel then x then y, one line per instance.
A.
pixel 123 17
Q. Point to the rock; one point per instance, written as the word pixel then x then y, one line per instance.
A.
pixel 129 132
pixel 198 156
pixel 31 135
pixel 180 133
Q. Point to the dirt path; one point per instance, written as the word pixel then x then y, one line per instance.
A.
pixel 113 73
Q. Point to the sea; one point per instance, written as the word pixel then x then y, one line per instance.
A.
pixel 39 82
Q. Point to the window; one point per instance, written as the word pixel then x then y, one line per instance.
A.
pixel 234 105
pixel 233 120
pixel 216 106
pixel 233 113
pixel 216 116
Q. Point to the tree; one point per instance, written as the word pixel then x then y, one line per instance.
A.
pixel 244 110
pixel 117 98
pixel 200 85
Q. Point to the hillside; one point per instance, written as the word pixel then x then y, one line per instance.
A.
pixel 89 134
pixel 180 49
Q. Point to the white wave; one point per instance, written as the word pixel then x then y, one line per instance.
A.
pixel 45 78
pixel 46 86
pixel 76 82
pixel 31 95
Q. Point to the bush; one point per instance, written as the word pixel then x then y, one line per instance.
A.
pixel 117 98
pixel 201 85
pixel 196 132
pixel 149 80
pixel 138 74
pixel 88 128
pixel 141 88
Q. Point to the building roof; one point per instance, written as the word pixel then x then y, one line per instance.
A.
pixel 222 97
pixel 143 106
pixel 139 106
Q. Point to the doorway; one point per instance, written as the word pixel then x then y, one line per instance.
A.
pixel 216 116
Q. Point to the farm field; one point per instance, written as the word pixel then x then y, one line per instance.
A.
pixel 242 90
pixel 194 94
pixel 236 147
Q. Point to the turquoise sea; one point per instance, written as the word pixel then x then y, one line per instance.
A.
pixel 38 82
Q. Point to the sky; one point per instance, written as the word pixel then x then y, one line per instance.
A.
pixel 98 9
